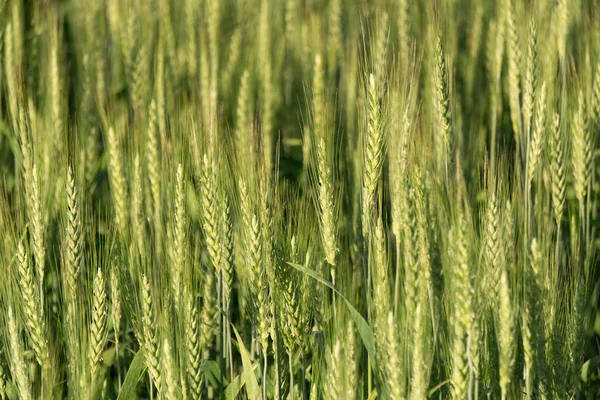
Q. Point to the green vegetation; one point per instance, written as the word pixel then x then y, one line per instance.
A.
pixel 299 199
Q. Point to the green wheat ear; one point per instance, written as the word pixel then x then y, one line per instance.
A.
pixel 443 106
pixel 373 152
pixel 514 66
pixel 33 309
pixel 18 366
pixel 98 326
pixel 557 170
pixel 149 341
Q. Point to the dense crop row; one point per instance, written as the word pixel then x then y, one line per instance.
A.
pixel 299 199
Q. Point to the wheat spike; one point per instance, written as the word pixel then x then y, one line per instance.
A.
pixel 37 229
pixel 211 215
pixel 169 372
pixel 98 326
pixel 444 132
pixel 73 237
pixel 505 333
pixel 34 321
pixel 18 366
pixel 117 182
pixel 596 96
pixel 178 251
pixel 536 144
pixel 149 344
pixel 327 207
pixel 514 66
pixel 581 151
pixel 463 312
pixel 373 153
pixel 194 351
pixel 529 86
pixel 557 169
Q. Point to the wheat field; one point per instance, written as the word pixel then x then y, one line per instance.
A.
pixel 299 199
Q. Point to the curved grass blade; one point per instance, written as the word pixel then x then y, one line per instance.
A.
pixel 134 374
pixel 251 383
pixel 364 329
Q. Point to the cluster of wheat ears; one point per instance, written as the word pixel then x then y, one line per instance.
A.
pixel 299 199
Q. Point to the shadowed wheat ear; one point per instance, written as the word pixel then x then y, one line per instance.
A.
pixel 596 96
pixel 73 237
pixel 98 325
pixel 252 242
pixel 529 85
pixel 557 170
pixel 513 52
pixel 373 153
pixel 350 361
pixel 537 136
pixel 34 314
pixel 267 89
pixel 149 344
pixel 226 241
pixel 210 213
pixel 333 379
pixel 444 118
pixel 562 10
pixel 463 310
pixel 505 333
pixel 37 227
pixel 492 254
pixel 243 123
pixel 2 375
pixel 137 217
pixel 403 30
pixel 324 163
pixel 153 168
pixel 394 374
pixel 210 311
pixel 18 366
pixel 194 351
pixel 581 151
pixel 535 299
pixel 117 181
pixel 115 302
pixel 379 271
pixel 327 207
pixel 168 371
pixel 178 250
pixel 72 253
